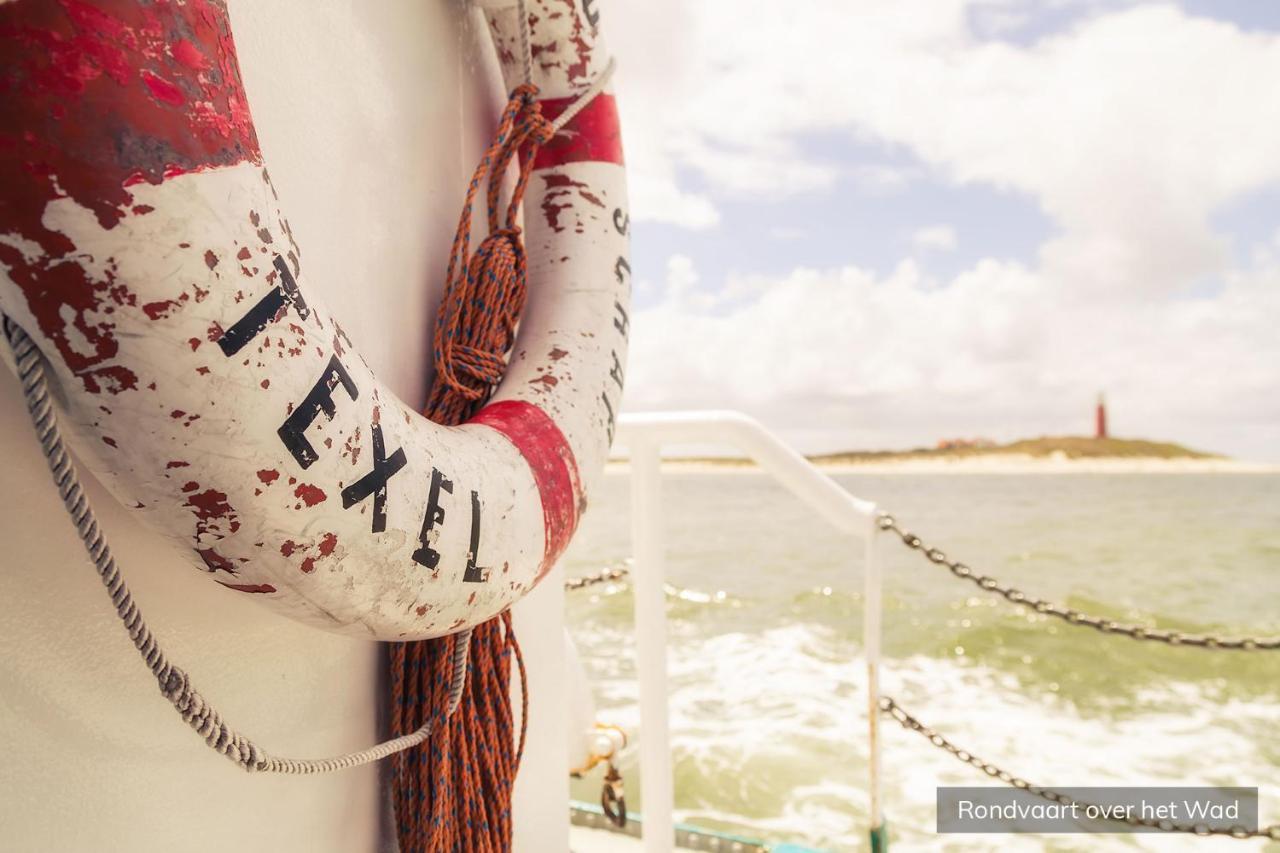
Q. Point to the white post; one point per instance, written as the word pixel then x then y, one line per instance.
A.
pixel 657 796
pixel 871 607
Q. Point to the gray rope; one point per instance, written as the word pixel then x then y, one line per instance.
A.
pixel 174 682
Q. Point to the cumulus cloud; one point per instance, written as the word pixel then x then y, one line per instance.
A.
pixel 841 358
pixel 938 238
pixel 1128 129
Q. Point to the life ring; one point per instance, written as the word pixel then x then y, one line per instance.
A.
pixel 144 250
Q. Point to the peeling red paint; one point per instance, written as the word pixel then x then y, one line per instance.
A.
pixel 311 495
pixel 556 353
pixel 288 547
pixel 159 310
pixel 215 561
pixel 188 54
pixel 555 199
pixel 177 463
pixel 249 587
pixel 327 543
pixel 268 475
pixel 162 90
pixel 93 103
pixel 210 507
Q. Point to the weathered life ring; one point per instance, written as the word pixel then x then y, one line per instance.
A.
pixel 143 248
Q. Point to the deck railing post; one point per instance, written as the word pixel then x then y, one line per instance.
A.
pixel 871 632
pixel 656 785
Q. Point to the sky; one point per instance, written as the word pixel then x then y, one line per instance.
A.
pixel 877 225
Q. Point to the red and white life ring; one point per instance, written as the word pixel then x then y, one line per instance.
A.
pixel 143 248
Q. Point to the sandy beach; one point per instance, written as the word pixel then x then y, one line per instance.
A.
pixel 994 463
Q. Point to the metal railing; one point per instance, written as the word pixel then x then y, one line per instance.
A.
pixel 645 435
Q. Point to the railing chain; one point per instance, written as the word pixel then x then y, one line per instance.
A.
pixel 891 708
pixel 1073 617
pixel 608 574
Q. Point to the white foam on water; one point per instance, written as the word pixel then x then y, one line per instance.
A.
pixel 780 703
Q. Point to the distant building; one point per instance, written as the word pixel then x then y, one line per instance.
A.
pixel 1100 418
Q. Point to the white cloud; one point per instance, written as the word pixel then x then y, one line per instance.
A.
pixel 660 200
pixel 879 179
pixel 937 238
pixel 841 358
pixel 1128 131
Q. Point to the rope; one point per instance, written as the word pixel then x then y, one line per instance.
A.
pixel 457 796
pixel 175 683
pixel 455 793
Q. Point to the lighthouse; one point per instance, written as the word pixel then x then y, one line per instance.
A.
pixel 1100 418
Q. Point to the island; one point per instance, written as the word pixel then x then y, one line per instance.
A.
pixel 1046 454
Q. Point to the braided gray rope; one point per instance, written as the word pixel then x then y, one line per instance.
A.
pixel 174 682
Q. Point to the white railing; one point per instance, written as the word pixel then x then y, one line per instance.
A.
pixel 645 435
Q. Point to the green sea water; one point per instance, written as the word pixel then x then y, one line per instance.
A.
pixel 767 678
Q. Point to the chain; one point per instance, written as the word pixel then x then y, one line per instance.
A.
pixel 1074 617
pixel 909 722
pixel 608 574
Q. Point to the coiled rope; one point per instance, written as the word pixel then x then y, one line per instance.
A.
pixel 455 794
pixel 175 683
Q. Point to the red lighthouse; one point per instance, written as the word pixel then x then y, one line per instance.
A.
pixel 1100 418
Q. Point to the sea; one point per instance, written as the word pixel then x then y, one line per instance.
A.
pixel 768 679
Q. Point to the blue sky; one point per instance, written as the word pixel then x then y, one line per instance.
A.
pixel 878 225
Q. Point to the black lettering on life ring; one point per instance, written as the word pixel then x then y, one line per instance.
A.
pixel 434 517
pixel 375 482
pixel 475 573
pixel 593 16
pixel 619 267
pixel 616 370
pixel 319 399
pixel 611 420
pixel 621 322
pixel 622 221
pixel 265 311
